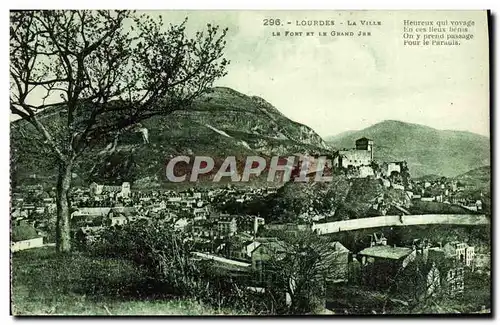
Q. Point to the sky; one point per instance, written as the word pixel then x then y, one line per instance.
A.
pixel 338 83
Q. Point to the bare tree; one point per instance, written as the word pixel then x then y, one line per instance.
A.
pixel 301 266
pixel 420 287
pixel 100 72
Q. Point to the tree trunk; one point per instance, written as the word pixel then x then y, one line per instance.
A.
pixel 63 235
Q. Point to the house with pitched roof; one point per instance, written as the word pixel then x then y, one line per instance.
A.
pixel 381 263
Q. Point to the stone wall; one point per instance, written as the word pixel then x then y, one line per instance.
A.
pixel 26 244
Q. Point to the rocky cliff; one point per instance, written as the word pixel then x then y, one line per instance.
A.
pixel 223 122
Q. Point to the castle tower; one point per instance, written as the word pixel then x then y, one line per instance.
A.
pixel 365 144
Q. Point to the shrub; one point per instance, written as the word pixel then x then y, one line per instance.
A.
pixel 165 256
pixel 23 231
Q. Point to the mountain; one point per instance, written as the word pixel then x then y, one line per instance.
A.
pixel 428 151
pixel 477 186
pixel 222 123
pixel 334 138
pixel 427 178
pixel 478 178
pixel 482 173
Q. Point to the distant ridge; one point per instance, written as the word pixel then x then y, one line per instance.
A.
pixel 428 151
pixel 224 122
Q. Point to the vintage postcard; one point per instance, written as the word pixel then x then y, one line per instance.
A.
pixel 250 162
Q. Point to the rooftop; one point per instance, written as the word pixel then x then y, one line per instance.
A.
pixel 338 247
pixel 386 251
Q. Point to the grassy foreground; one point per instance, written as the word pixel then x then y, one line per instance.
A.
pixel 44 283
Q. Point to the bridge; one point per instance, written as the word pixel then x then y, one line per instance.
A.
pixel 396 221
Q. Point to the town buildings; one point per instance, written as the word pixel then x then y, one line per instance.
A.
pixel 362 155
pixel 122 191
pixel 243 241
